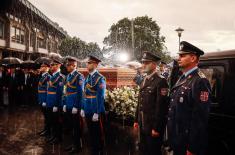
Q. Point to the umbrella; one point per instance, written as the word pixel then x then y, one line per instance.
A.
pixel 42 60
pixel 29 64
pixel 10 61
pixel 133 64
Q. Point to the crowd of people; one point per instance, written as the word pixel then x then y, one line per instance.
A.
pixel 18 86
pixel 66 100
pixel 175 117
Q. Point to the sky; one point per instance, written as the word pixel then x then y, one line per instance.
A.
pixel 208 24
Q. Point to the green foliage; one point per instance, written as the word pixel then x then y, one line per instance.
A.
pixel 145 33
pixel 78 48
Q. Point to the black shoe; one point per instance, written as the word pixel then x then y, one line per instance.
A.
pixel 74 150
pixel 45 133
pixel 50 139
pixel 40 132
pixel 56 141
pixel 68 148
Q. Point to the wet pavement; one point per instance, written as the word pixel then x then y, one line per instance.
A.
pixel 19 126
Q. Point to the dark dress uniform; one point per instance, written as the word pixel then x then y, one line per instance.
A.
pixel 13 88
pixel 152 111
pixel 74 99
pixel 3 81
pixel 27 84
pixel 188 111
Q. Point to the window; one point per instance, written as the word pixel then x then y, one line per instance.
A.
pixel 17 35
pixel 41 43
pixel 32 37
pixel 215 76
pixel 1 30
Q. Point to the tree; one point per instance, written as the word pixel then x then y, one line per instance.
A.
pixel 78 48
pixel 135 36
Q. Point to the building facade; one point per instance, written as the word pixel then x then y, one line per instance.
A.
pixel 25 32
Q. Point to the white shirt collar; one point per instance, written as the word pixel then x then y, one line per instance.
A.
pixel 190 71
pixel 56 72
pixel 44 73
pixel 93 72
pixel 72 72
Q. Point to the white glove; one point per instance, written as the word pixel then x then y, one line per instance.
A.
pixel 55 109
pixel 64 108
pixel 82 113
pixel 95 117
pixel 74 110
pixel 44 104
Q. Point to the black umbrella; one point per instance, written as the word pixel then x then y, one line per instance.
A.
pixel 10 61
pixel 29 64
pixel 43 60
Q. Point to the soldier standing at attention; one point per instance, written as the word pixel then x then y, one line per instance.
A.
pixel 152 107
pixel 54 100
pixel 93 108
pixel 42 95
pixel 73 103
pixel 189 105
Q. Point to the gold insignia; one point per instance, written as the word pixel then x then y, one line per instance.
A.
pixel 202 75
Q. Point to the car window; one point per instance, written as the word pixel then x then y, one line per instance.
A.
pixel 215 76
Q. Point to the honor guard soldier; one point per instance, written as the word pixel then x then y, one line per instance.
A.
pixel 73 102
pixel 54 100
pixel 152 106
pixel 42 96
pixel 93 108
pixel 189 105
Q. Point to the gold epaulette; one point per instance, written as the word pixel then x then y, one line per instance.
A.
pixel 201 74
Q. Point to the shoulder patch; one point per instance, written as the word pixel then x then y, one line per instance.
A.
pixel 202 75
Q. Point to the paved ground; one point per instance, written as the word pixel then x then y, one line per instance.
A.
pixel 18 135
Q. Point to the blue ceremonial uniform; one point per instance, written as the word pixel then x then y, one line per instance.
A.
pixel 95 86
pixel 42 96
pixel 74 99
pixel 188 113
pixel 42 87
pixel 55 90
pixel 74 90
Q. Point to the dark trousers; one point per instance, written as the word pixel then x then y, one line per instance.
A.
pixel 74 127
pixel 55 123
pixel 150 145
pixel 96 134
pixel 45 112
pixel 1 96
pixel 13 97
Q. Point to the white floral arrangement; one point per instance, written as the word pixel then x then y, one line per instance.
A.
pixel 123 101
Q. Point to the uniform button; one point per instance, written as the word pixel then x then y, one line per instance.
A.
pixel 168 119
pixel 169 109
pixel 172 100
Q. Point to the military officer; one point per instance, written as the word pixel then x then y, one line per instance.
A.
pixel 42 95
pixel 152 106
pixel 54 100
pixel 189 105
pixel 73 102
pixel 93 108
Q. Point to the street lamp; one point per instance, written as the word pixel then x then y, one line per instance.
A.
pixel 179 31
